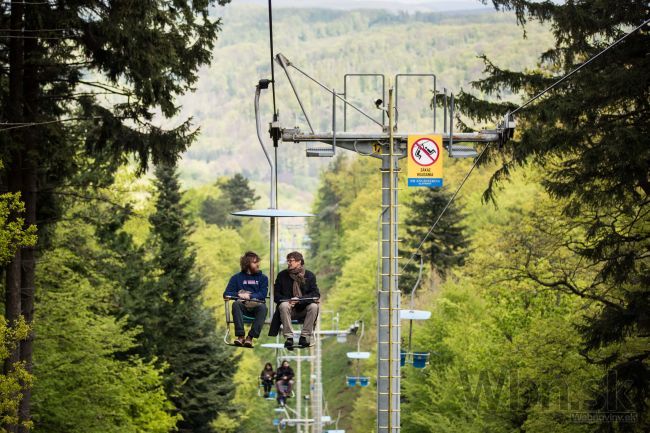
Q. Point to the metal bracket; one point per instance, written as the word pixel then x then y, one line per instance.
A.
pixel 397 95
pixel 345 95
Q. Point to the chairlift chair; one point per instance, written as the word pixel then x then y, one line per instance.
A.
pixel 416 359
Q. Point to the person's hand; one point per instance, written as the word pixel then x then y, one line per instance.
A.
pixel 245 296
pixel 317 301
pixel 294 301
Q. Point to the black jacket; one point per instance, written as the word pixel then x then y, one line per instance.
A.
pixel 283 289
pixel 284 371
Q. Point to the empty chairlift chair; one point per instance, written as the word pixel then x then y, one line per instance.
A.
pixel 417 359
pixel 362 381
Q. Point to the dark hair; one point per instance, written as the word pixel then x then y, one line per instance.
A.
pixel 268 366
pixel 246 260
pixel 282 363
pixel 296 256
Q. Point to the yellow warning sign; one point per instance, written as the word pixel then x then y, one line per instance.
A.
pixel 425 160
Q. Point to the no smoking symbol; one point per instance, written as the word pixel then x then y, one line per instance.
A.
pixel 425 152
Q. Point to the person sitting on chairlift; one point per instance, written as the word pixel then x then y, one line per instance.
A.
pixel 291 285
pixel 249 287
pixel 267 376
pixel 284 381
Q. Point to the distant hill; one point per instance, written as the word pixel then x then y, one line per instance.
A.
pixel 328 43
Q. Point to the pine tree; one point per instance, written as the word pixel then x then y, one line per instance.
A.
pixel 237 195
pixel 239 192
pixel 215 211
pixel 590 135
pixel 445 245
pixel 178 329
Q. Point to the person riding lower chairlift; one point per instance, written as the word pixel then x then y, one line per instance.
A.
pixel 267 376
pixel 284 382
pixel 292 285
pixel 250 287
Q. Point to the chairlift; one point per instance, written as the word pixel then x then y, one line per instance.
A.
pixel 273 213
pixel 416 359
pixel 260 387
pixel 362 381
pixel 353 381
pixel 230 321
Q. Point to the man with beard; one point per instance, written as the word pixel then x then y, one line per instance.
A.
pixel 249 287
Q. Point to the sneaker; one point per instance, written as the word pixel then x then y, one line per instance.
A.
pixel 288 344
pixel 303 342
pixel 266 395
pixel 239 341
pixel 248 342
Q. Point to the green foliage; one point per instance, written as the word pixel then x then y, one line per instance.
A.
pixel 85 383
pixel 215 210
pixel 13 233
pixel 235 195
pixel 177 328
pixel 13 383
pixel 239 192
pixel 595 155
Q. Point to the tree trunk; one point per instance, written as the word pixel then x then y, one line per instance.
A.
pixel 30 190
pixel 15 171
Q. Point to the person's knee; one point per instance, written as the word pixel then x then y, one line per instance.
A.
pixel 284 306
pixel 262 308
pixel 312 307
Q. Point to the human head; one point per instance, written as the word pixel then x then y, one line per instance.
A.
pixel 250 262
pixel 285 363
pixel 268 366
pixel 295 260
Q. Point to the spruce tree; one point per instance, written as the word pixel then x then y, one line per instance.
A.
pixel 590 136
pixel 444 247
pixel 236 195
pixel 178 328
pixel 239 192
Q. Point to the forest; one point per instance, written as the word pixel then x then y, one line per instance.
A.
pixel 128 140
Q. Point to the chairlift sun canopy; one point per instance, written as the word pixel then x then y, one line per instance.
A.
pixel 358 355
pixel 414 314
pixel 268 213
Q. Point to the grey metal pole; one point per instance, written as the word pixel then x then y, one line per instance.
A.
pixel 318 383
pixel 273 198
pixel 388 299
pixel 299 390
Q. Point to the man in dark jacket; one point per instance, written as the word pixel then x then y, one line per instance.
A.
pixel 249 287
pixel 291 285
